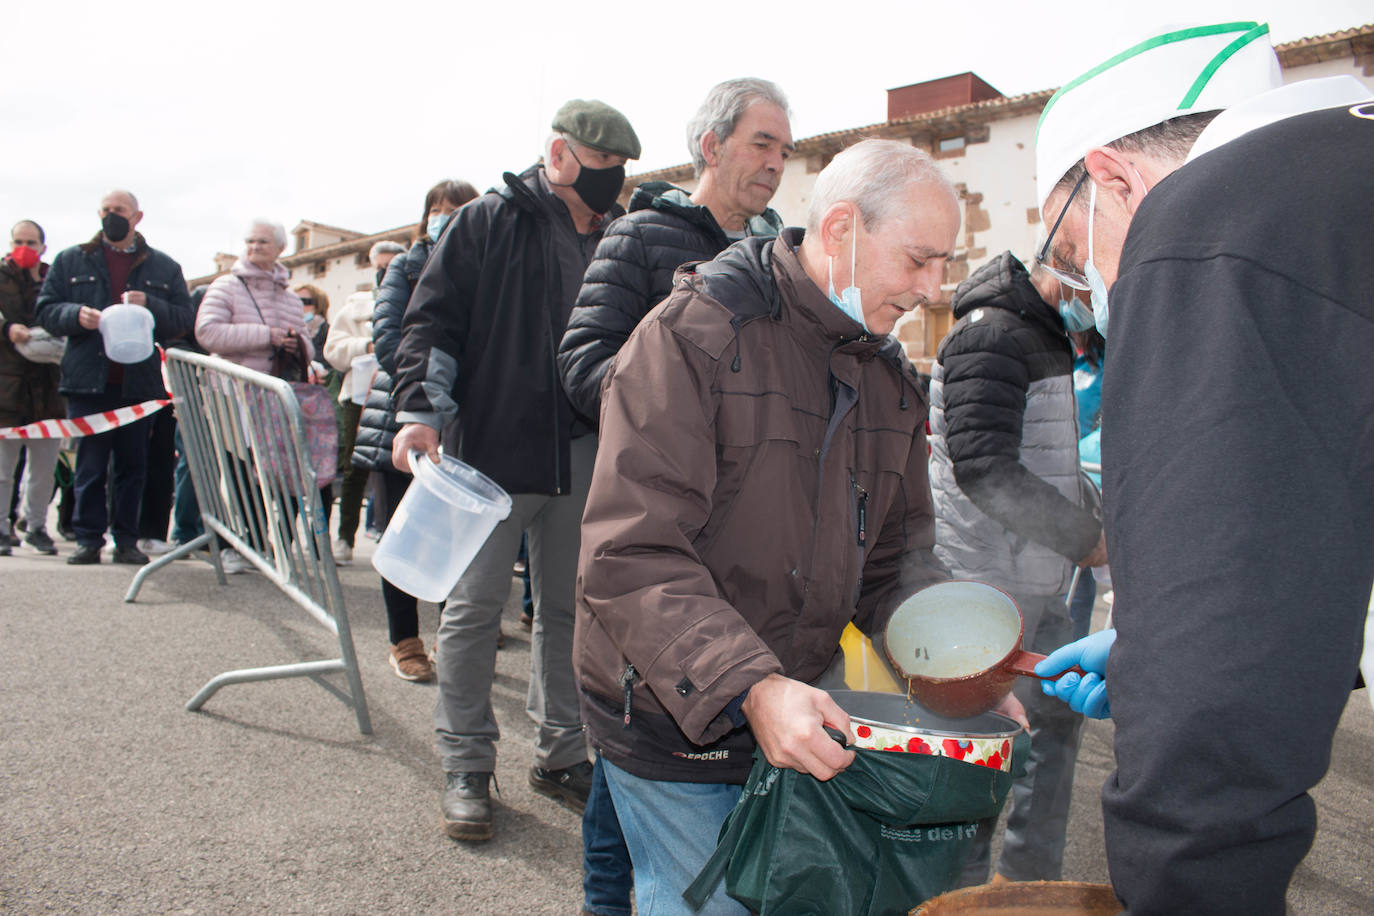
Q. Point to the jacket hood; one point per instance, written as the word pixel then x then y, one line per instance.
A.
pixel 742 279
pixel 1004 283
pixel 660 195
pixel 248 271
pixel 527 191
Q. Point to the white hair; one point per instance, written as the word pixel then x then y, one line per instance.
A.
pixel 278 230
pixel 385 247
pixel 871 175
pixel 725 104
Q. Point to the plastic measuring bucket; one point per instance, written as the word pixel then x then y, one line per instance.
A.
pixel 127 331
pixel 360 374
pixel 443 520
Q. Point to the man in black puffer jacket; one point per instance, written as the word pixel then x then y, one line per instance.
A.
pixel 1010 511
pixel 739 139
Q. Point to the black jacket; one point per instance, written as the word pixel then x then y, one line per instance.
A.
pixel 78 278
pixel 1238 430
pixel 1009 496
pixel 631 273
pixel 377 424
pixel 481 333
pixel 28 391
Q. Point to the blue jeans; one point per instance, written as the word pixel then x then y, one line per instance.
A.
pixel 607 877
pixel 186 523
pixel 671 829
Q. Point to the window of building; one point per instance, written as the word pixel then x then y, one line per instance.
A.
pixel 321 267
pixel 360 260
pixel 951 144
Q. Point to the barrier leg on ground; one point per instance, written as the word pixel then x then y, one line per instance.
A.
pixel 245 443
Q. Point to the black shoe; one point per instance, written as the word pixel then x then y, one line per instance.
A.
pixel 40 542
pixel 85 555
pixel 6 542
pixel 467 806
pixel 571 784
pixel 130 556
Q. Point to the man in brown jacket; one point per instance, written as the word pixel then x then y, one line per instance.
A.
pixel 760 483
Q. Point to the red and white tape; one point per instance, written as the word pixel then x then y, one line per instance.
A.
pixel 89 425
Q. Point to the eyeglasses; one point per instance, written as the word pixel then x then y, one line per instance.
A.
pixel 1068 277
pixel 307 300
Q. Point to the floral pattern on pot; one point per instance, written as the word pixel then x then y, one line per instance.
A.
pixel 993 752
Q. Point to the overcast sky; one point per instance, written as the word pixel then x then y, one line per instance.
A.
pixel 346 113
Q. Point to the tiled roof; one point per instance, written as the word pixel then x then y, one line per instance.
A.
pixel 402 234
pixel 1354 42
pixel 1347 43
pixel 336 230
pixel 940 120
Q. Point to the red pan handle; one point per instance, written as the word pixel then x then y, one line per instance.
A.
pixel 1024 663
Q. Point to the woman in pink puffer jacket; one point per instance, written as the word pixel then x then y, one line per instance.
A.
pixel 251 311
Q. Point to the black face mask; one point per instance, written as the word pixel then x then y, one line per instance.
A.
pixel 598 188
pixel 115 227
pixel 381 272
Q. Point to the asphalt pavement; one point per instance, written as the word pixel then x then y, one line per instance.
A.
pixel 115 799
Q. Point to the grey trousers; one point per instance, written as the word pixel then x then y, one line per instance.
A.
pixel 36 492
pixel 465 652
pixel 1033 847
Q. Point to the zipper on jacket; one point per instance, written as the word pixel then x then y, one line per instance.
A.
pixel 627 681
pixel 861 529
pixel 861 510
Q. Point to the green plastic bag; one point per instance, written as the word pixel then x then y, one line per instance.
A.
pixel 889 832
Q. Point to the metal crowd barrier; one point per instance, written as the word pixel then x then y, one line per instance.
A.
pixel 245 443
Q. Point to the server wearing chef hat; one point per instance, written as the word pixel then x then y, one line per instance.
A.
pixel 1218 221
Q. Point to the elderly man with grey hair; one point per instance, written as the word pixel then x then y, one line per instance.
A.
pixel 117 264
pixel 761 482
pixel 380 256
pixel 739 140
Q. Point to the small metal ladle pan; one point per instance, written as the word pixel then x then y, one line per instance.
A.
pixel 958 644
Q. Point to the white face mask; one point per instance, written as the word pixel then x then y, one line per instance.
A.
pixel 1075 315
pixel 850 301
pixel 1096 285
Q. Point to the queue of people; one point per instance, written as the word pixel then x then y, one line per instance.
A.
pixel 720 457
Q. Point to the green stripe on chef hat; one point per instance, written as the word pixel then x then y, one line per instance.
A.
pixel 1181 72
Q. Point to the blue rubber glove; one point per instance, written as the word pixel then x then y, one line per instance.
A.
pixel 1086 694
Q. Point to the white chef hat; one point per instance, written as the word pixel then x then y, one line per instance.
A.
pixel 1184 71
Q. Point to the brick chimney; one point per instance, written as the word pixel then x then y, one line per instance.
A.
pixel 932 95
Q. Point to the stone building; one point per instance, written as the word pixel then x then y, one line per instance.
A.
pixel 984 140
pixel 333 259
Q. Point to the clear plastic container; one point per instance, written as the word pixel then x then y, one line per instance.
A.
pixel 360 375
pixel 442 522
pixel 127 331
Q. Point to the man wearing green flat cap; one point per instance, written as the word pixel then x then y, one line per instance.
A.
pixel 1221 219
pixel 476 364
